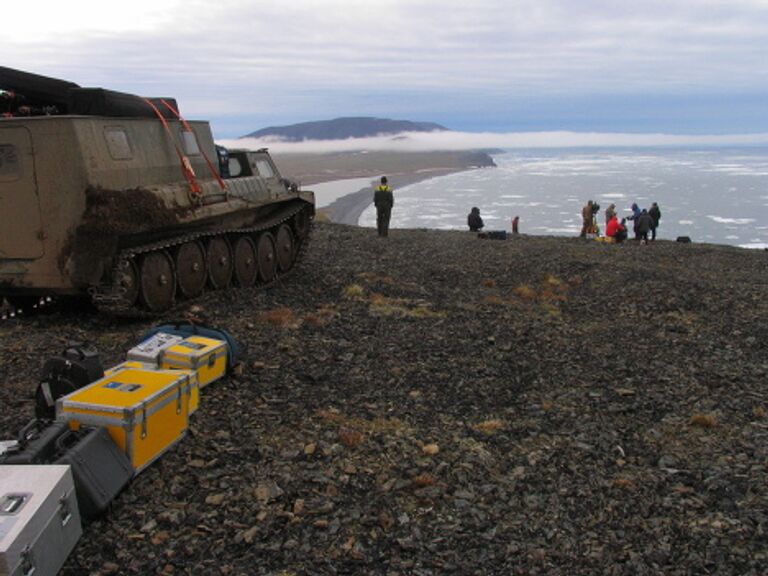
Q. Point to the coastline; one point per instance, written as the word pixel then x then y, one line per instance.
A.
pixel 401 169
pixel 347 209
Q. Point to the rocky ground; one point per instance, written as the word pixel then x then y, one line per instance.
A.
pixel 433 403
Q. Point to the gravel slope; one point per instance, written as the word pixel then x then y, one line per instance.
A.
pixel 434 403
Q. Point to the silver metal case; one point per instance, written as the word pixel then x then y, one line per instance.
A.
pixel 39 519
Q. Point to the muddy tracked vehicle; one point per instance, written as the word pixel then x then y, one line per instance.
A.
pixel 119 198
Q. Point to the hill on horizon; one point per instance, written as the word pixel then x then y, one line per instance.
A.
pixel 343 128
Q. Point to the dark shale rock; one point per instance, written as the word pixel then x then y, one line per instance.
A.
pixel 438 404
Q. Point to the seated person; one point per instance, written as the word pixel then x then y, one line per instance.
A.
pixel 474 221
pixel 616 230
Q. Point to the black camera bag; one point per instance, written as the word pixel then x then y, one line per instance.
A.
pixel 61 375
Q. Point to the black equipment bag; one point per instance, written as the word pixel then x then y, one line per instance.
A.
pixel 78 366
pixel 100 469
pixel 37 90
pixel 37 442
pixel 684 239
pixel 493 235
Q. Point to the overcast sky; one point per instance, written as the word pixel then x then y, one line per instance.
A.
pixel 684 67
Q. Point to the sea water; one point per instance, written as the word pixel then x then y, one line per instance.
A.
pixel 711 195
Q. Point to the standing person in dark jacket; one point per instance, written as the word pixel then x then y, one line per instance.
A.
pixel 635 216
pixel 655 213
pixel 383 199
pixel 474 221
pixel 644 223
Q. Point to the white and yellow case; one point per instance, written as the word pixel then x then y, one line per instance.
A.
pixel 145 411
pixel 206 356
pixel 151 349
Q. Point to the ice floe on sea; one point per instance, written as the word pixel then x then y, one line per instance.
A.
pixel 723 220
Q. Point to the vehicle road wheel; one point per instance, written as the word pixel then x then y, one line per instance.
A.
pixel 219 257
pixel 157 281
pixel 245 262
pixel 190 269
pixel 129 281
pixel 285 248
pixel 266 257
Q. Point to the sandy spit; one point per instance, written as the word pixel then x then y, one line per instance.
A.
pixel 401 168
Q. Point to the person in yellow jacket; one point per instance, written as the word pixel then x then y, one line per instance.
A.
pixel 383 199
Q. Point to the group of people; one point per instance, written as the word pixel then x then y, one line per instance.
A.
pixel 384 200
pixel 644 222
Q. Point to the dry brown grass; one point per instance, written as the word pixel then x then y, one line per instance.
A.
pixel 703 420
pixel 525 292
pixel 321 317
pixel 350 438
pixel 624 484
pixel 354 292
pixel 322 216
pixel 424 480
pixel 758 412
pixel 280 317
pixel 494 299
pixel 551 290
pixel 489 427
pixel 489 283
pixel 378 425
pixel 383 306
pixel 374 278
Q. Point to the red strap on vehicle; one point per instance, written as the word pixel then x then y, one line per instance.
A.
pixel 188 128
pixel 186 166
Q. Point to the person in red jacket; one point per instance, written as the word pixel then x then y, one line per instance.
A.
pixel 616 230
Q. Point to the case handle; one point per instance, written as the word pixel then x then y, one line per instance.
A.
pixel 64 510
pixel 68 439
pixel 29 432
pixel 27 561
pixel 143 421
pixel 12 503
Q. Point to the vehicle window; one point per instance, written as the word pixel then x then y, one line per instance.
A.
pixel 10 167
pixel 235 168
pixel 117 142
pixel 190 143
pixel 264 169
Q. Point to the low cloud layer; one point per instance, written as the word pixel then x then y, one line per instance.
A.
pixel 470 65
pixel 426 141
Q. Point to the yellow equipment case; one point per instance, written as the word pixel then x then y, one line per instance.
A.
pixel 206 356
pixel 192 388
pixel 146 412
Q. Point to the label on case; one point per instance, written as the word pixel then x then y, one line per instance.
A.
pixel 192 345
pixel 122 386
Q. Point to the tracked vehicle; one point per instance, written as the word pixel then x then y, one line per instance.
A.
pixel 119 198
